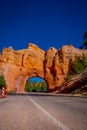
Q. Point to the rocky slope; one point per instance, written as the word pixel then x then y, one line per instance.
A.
pixel 52 65
pixel 76 85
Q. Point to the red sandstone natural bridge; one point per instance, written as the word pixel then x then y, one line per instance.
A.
pixel 52 65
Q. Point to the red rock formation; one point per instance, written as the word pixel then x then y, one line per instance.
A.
pixel 52 66
pixel 76 84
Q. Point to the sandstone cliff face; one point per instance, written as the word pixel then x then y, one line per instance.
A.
pixel 52 66
pixel 33 60
pixel 48 66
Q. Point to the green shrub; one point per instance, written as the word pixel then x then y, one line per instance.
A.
pixel 84 61
pixel 35 86
pixel 68 77
pixel 78 65
pixel 2 81
pixel 28 86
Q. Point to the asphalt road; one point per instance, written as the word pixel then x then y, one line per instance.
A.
pixel 43 112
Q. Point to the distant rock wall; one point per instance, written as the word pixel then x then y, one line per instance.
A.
pixel 53 65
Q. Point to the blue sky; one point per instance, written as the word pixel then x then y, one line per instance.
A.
pixel 36 79
pixel 46 23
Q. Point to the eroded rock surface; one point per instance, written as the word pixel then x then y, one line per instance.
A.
pixel 53 65
pixel 76 85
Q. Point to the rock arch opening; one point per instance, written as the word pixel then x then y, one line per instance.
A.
pixel 36 84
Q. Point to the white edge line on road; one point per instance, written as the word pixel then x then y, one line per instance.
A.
pixel 55 121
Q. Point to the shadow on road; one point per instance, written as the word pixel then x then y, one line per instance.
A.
pixel 46 94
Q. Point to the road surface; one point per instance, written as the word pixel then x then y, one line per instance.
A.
pixel 43 112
